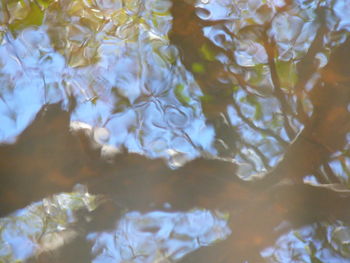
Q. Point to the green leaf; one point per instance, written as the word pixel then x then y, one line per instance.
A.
pixel 258 75
pixel 207 53
pixel 287 74
pixel 235 88
pixel 299 236
pixel 198 68
pixel 255 103
pixel 180 94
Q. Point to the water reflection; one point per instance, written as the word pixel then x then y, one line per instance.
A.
pixel 43 226
pixel 131 75
pixel 260 84
pixel 139 74
pixel 314 243
pixel 41 231
pixel 158 236
pixel 268 59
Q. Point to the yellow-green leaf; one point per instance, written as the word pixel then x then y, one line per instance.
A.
pixel 287 74
pixel 34 17
pixel 180 94
pixel 207 53
pixel 198 68
pixel 44 3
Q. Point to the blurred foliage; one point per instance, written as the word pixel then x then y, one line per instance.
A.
pixel 23 14
pixel 40 228
pixel 316 243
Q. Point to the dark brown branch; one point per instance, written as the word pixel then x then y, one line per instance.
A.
pixel 270 47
